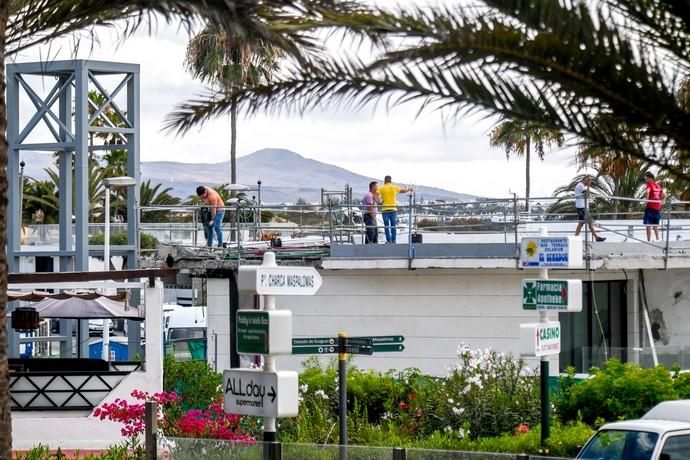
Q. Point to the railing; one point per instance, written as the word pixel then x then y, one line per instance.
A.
pixel 669 356
pixel 186 448
pixel 318 226
pixel 61 390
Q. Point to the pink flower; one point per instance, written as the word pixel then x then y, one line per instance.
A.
pixel 522 429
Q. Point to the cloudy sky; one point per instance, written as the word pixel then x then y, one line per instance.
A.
pixel 413 150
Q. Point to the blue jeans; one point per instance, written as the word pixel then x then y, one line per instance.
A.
pixel 217 227
pixel 390 221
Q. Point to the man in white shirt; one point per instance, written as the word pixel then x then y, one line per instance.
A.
pixel 582 194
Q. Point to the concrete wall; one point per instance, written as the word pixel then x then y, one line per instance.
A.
pixel 218 323
pixel 439 309
pixel 79 429
pixel 435 310
pixel 668 299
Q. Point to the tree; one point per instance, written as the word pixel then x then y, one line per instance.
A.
pixel 229 60
pixel 606 187
pixel 26 23
pixel 517 138
pixel 154 196
pixel 557 64
pixel 40 202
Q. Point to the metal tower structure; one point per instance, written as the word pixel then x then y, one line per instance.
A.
pixel 49 110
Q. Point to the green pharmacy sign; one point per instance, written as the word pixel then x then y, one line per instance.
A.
pixel 555 295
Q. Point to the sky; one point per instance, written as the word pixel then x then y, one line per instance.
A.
pixel 422 150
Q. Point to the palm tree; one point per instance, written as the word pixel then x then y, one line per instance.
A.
pixel 229 60
pixel 606 188
pixel 26 23
pixel 556 64
pixel 40 199
pixel 155 196
pixel 517 138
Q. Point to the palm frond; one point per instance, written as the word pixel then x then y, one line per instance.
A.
pixel 557 64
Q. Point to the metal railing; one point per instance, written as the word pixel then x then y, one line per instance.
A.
pixel 669 356
pixel 321 225
pixel 187 448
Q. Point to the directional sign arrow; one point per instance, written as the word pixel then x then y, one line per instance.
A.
pixel 314 350
pixel 310 341
pixel 376 339
pixel 358 341
pixel 272 394
pixel 388 347
pixel 357 350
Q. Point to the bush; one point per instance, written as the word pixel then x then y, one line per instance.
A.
pixel 120 239
pixel 486 393
pixel 194 381
pixel 618 391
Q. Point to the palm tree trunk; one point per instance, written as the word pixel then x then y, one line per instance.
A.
pixel 233 141
pixel 5 414
pixel 528 159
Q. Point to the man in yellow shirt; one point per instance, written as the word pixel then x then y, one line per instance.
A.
pixel 389 201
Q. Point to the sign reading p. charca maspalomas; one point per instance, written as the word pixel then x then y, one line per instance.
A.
pixel 283 280
pixel 262 394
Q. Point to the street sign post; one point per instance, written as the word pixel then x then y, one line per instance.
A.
pixel 364 345
pixel 552 295
pixel 259 393
pixel 551 252
pixel 263 332
pixel 540 339
pixel 283 280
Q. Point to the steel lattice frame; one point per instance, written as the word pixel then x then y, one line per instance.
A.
pixel 71 132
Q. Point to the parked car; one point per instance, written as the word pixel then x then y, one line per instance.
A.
pixel 663 433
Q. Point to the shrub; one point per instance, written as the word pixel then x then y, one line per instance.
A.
pixel 486 393
pixel 194 382
pixel 120 239
pixel 618 391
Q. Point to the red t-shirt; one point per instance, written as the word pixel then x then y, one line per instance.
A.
pixel 654 192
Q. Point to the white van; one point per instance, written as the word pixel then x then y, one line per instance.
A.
pixel 185 323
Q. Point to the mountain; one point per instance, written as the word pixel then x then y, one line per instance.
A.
pixel 285 176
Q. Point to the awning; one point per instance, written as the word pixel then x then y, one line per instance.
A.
pixel 36 296
pixel 79 305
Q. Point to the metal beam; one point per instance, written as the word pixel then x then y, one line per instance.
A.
pixel 109 99
pixel 80 285
pixel 65 173
pixel 38 278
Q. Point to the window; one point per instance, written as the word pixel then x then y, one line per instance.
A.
pixel 599 331
pixel 677 447
pixel 620 445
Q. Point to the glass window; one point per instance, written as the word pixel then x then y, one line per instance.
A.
pixel 620 445
pixel 187 333
pixel 677 447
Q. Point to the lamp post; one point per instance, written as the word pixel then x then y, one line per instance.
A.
pixel 246 188
pixel 21 193
pixel 110 182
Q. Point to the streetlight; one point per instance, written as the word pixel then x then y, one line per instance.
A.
pixel 21 192
pixel 110 182
pixel 247 188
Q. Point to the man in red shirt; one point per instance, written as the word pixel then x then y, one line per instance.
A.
pixel 652 213
pixel 216 213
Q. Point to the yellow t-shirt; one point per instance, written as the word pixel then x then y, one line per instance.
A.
pixel 389 194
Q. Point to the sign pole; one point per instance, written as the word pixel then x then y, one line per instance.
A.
pixel 342 393
pixel 544 367
pixel 269 366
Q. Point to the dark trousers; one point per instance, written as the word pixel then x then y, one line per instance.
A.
pixel 372 235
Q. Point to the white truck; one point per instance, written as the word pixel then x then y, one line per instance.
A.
pixel 663 433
